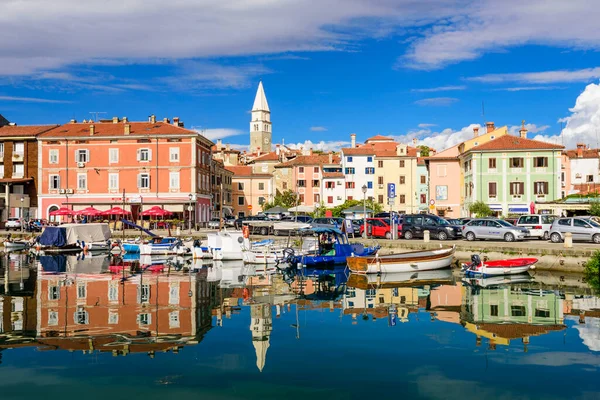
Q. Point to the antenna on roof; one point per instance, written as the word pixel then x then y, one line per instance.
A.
pixel 96 114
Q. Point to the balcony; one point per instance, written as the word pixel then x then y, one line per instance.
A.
pixel 18 157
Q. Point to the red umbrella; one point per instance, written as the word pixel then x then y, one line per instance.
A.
pixel 62 211
pixel 116 211
pixel 90 212
pixel 532 208
pixel 156 211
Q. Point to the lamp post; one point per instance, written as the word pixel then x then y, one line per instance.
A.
pixel 190 210
pixel 21 213
pixel 364 190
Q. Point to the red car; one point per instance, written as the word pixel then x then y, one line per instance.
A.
pixel 379 227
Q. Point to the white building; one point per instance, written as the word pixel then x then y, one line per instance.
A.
pixel 359 169
pixel 585 167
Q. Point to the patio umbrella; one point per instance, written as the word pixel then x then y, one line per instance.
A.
pixel 62 211
pixel 89 212
pixel 156 211
pixel 116 211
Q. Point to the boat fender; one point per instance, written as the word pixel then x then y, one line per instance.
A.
pixel 245 231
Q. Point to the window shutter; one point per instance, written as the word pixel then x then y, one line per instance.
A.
pixel 138 158
pixel 87 156
pixel 76 156
pixel 139 178
pixel 149 154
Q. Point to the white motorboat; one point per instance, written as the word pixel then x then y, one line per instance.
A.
pixel 227 245
pixel 422 260
pixel 513 266
pixel 15 245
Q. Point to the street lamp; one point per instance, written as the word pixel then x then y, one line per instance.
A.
pixel 364 190
pixel 21 213
pixel 190 210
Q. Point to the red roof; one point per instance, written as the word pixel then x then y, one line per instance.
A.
pixel 25 130
pixel 514 331
pixel 379 149
pixel 333 175
pixel 586 153
pixel 271 156
pixel 314 159
pixel 118 129
pixel 379 137
pixel 245 171
pixel 509 142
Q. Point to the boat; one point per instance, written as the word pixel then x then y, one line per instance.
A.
pixel 92 237
pixel 227 245
pixel 163 246
pixel 511 266
pixel 401 279
pixel 132 247
pixel 497 280
pixel 333 249
pixel 412 261
pixel 15 244
pixel 201 252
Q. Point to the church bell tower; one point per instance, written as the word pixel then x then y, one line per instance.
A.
pixel 260 124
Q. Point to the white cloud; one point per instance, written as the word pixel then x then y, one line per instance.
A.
pixel 438 140
pixel 528 88
pixel 318 129
pixel 334 145
pixel 193 75
pixel 439 89
pixel 540 78
pixel 426 125
pixel 531 128
pixel 484 26
pixel 437 101
pixel 32 100
pixel 219 133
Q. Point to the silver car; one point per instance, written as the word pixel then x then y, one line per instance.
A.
pixel 489 228
pixel 582 230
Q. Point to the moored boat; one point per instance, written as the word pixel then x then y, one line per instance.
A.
pixel 15 245
pixel 498 267
pixel 400 279
pixel 421 260
pixel 92 237
pixel 163 246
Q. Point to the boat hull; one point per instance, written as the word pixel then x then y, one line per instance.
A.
pixel 403 262
pixel 502 267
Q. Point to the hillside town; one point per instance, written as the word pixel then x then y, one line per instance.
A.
pixel 91 163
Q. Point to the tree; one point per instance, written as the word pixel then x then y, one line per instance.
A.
pixel 424 150
pixel 592 272
pixel 337 211
pixel 595 208
pixel 286 199
pixel 480 209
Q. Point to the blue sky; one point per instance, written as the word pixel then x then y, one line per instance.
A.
pixel 404 68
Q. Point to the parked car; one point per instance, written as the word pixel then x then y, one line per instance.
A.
pixel 241 220
pixel 12 223
pixel 414 226
pixel 538 225
pixel 463 221
pixel 454 221
pixel 229 220
pixel 298 218
pixel 581 229
pixel 385 214
pixel 214 224
pixel 379 227
pixel 327 222
pixel 35 225
pixel 492 228
pixel 512 221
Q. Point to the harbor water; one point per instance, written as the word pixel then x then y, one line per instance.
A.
pixel 110 328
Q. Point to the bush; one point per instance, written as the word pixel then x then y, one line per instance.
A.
pixel 592 272
pixel 595 208
pixel 480 209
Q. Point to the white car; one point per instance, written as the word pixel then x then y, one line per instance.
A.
pixel 13 223
pixel 538 225
pixel 214 224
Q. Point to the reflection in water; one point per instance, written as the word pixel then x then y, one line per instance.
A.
pixel 119 307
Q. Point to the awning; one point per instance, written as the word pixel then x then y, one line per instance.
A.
pixel 495 207
pixel 518 209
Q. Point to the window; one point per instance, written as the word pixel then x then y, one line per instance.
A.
pixel 494 310
pixel 301 198
pixel 329 199
pixel 423 179
pixel 402 199
pixel 380 163
pixel 113 317
pixel 380 180
pixel 2 148
pixel 317 198
pixel 492 163
pixel 349 171
pixel 301 183
pixel 54 182
pixel 144 155
pixel 113 156
pixel 261 200
pixel 370 185
pixel 402 179
pixel 53 293
pixel 540 162
pixel 441 170
pixel 423 198
pixel 348 159
pixel 174 180
pixel 240 186
pixel 284 185
pixel 82 155
pixel 589 178
pixel 402 163
pixel 144 319
pixel 52 156
pixel 369 159
pixel 174 154
pixel 316 170
pixel 316 183
pixel 81 291
pixel 517 188
pixel 81 316
pixel 329 185
pixel 540 188
pixel 174 293
pixel 144 181
pixel 580 223
pixel 261 186
pixel 240 201
pixel 18 170
pixel 492 189
pixel 380 199
pixel 81 181
pixel 113 291
pixel 113 181
pixel 542 313
pixel 19 148
pixel 564 222
pixel 300 170
pixel 143 293
pixel 52 318
pixel 350 185
pixel 517 311
pixel 515 162
pixel 174 319
pixel 350 198
pixel 369 170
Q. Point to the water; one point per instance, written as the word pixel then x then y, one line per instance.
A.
pixel 232 332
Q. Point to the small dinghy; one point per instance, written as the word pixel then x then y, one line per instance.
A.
pixel 14 245
pixel 511 266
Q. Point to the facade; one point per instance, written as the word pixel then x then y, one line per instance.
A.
pixel 260 125
pixel 333 182
pixel 19 169
pixel 422 185
pixel 250 189
pixel 221 183
pixel 93 164
pixel 509 173
pixel 584 165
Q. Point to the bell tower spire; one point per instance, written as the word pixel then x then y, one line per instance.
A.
pixel 260 123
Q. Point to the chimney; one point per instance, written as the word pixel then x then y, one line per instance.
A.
pixel 124 119
pixel 415 142
pixel 127 128
pixel 490 127
pixel 73 121
pixel 219 144
pixel 476 131
pixel 228 147
pixel 310 151
pixel 92 130
pixel 166 120
pixel 84 121
pixel 176 121
pixel 523 131
pixel 330 157
pixel 579 152
pixel 353 140
pixel 115 120
pixel 153 119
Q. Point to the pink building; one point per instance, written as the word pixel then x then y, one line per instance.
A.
pixel 445 183
pixel 149 163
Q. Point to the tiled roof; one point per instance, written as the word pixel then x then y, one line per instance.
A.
pixel 586 153
pixel 245 171
pixel 333 175
pixel 586 188
pixel 118 129
pixel 315 159
pixel 271 156
pixel 25 130
pixel 509 142
pixel 379 149
pixel 379 137
pixel 515 331
pixel 224 149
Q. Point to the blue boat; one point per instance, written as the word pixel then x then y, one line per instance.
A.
pixel 333 249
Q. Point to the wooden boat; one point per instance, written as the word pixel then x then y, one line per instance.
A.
pixel 422 260
pixel 400 279
pixel 499 267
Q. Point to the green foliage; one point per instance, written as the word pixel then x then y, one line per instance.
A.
pixel 595 208
pixel 319 210
pixel 424 150
pixel 480 209
pixel 286 199
pixel 337 211
pixel 592 271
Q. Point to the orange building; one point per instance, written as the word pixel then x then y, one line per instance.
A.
pixel 153 163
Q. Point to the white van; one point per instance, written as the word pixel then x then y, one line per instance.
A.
pixel 537 224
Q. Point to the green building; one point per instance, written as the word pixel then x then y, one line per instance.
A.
pixel 509 173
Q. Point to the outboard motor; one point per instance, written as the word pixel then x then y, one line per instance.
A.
pixel 475 261
pixel 196 242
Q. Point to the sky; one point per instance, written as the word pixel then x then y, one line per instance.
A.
pixel 425 69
